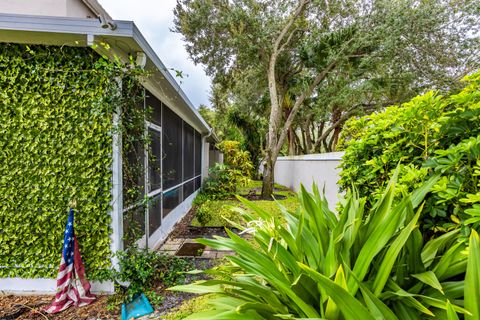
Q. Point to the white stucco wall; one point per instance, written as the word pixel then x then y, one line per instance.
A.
pixel 55 8
pixel 319 168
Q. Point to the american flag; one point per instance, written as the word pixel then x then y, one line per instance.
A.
pixel 72 286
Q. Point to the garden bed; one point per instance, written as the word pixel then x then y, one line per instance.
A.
pixel 105 307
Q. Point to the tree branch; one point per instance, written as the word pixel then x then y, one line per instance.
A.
pixel 275 114
pixel 298 103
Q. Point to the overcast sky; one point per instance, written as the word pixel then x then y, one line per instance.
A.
pixel 154 18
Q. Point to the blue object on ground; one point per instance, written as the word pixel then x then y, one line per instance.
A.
pixel 138 307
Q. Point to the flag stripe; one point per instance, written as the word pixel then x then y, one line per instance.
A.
pixel 73 287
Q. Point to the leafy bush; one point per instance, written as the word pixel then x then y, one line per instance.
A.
pixel 213 213
pixel 204 214
pixel 360 264
pixel 224 178
pixel 221 183
pixel 56 107
pixel 145 270
pixel 237 159
pixel 428 135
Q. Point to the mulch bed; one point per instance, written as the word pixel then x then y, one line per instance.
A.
pixel 31 307
pixel 183 229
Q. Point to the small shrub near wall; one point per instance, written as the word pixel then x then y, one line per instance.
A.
pixel 55 145
pixel 224 178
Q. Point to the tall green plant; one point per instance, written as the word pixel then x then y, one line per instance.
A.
pixel 237 159
pixel 358 264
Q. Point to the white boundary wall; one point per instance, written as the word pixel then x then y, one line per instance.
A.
pixel 319 168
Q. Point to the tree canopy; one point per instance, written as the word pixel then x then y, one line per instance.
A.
pixel 308 65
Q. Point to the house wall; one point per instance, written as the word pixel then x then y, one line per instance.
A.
pixel 321 169
pixel 57 8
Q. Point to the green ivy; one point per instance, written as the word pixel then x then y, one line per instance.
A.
pixel 56 109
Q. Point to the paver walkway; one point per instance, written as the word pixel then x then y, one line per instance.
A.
pixel 173 246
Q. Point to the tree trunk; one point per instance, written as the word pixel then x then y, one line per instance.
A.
pixel 336 116
pixel 291 142
pixel 268 178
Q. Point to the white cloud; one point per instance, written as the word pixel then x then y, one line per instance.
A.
pixel 154 18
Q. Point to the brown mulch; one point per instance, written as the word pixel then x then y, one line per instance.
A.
pixel 31 307
pixel 181 227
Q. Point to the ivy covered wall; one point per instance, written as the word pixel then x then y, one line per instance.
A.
pixel 55 146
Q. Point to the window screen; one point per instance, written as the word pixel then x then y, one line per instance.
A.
pixel 198 183
pixel 198 154
pixel 154 106
pixel 188 189
pixel 154 160
pixel 188 151
pixel 155 214
pixel 172 148
pixel 171 199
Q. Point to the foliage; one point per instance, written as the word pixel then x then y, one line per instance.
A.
pixel 303 67
pixel 224 178
pixel 188 307
pixel 430 134
pixel 361 264
pixel 237 159
pixel 145 270
pixel 221 183
pixel 56 108
pixel 221 212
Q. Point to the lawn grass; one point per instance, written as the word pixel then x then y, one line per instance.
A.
pixel 220 211
pixel 189 307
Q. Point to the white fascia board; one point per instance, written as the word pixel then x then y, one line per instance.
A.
pixel 20 22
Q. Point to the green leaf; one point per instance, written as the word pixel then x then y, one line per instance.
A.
pixel 392 253
pixel 350 307
pixel 472 278
pixel 430 279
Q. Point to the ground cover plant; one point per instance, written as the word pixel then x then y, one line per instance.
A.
pixel 362 264
pixel 146 271
pixel 431 134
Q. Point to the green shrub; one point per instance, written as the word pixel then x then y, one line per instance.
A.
pixel 237 159
pixel 56 108
pixel 428 135
pixel 204 214
pixel 361 264
pixel 216 213
pixel 146 270
pixel 221 183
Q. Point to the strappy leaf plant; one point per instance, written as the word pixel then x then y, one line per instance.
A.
pixel 316 264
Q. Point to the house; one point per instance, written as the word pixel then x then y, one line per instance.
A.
pixel 64 141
